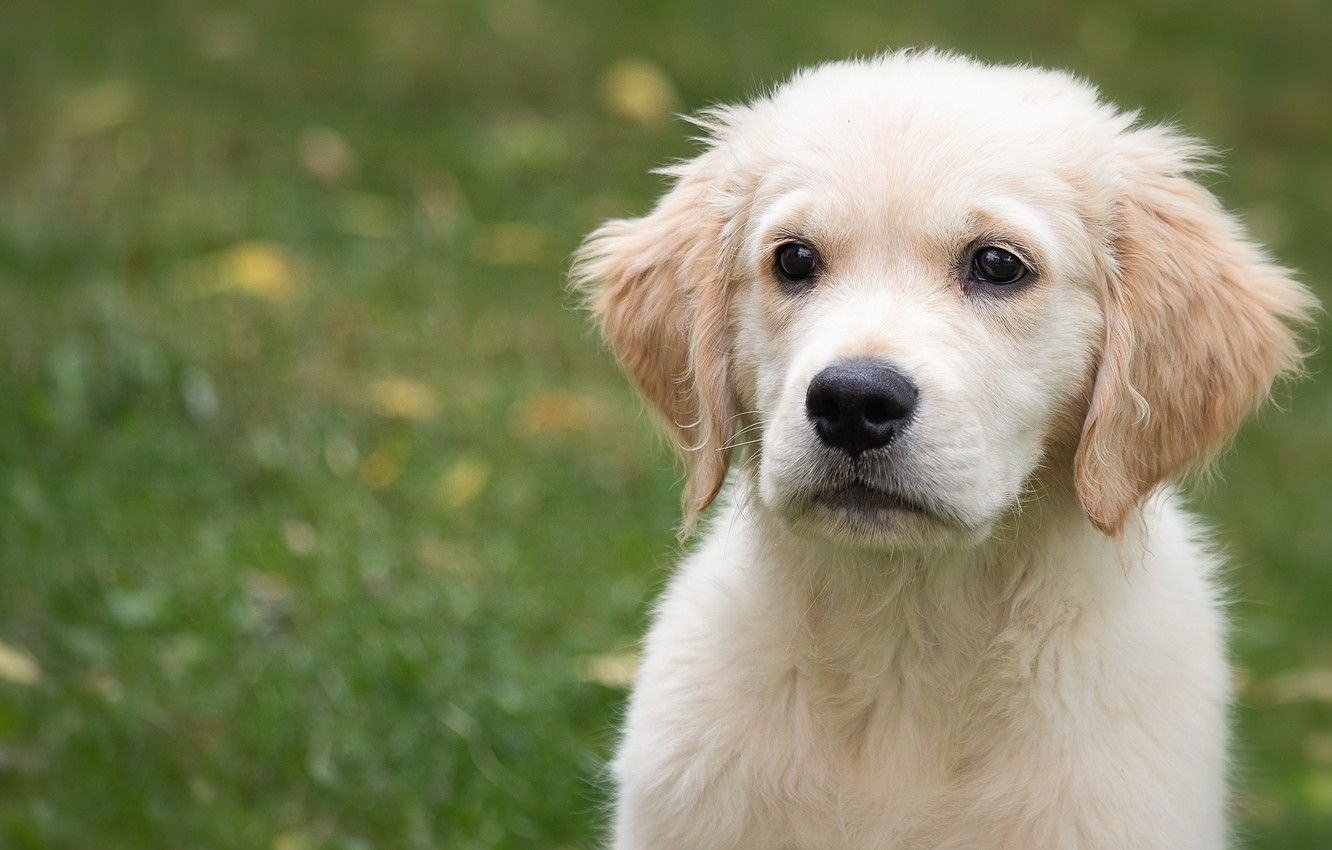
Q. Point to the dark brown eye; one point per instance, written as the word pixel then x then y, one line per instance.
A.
pixel 997 266
pixel 796 261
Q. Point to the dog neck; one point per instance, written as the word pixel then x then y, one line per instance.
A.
pixel 932 619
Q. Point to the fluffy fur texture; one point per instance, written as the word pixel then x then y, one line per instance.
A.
pixel 1035 657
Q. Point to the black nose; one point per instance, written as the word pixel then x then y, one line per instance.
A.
pixel 858 405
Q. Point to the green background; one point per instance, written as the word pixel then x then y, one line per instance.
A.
pixel 324 520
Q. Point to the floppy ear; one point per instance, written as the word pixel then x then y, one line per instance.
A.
pixel 656 286
pixel 1197 329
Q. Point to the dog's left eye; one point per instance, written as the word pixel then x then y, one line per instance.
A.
pixel 995 265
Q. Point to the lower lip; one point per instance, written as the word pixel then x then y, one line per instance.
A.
pixel 864 499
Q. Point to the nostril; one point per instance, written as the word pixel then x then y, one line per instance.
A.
pixel 824 406
pixel 876 412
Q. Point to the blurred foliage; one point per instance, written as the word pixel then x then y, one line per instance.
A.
pixel 324 521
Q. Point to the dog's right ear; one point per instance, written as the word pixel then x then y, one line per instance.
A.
pixel 656 286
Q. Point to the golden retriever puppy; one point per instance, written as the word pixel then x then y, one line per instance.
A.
pixel 959 326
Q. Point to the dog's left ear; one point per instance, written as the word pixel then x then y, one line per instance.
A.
pixel 1198 326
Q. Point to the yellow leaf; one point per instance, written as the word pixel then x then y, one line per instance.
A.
pixel 443 202
pixel 1312 685
pixel 638 90
pixel 557 412
pixel 404 398
pixel 104 685
pixel 202 790
pixel 341 454
pixel 463 482
pixel 18 666
pixel 614 669
pixel 300 537
pixel 259 268
pixel 98 107
pixel 440 555
pixel 1317 788
pixel 267 594
pixel 256 268
pixel 326 155
pixel 180 653
pixel 379 469
pixel 226 35
pixel 293 840
pixel 1318 747
pixel 1259 810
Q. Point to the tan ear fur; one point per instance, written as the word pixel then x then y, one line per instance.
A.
pixel 1198 326
pixel 656 286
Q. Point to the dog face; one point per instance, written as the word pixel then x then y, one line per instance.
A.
pixel 919 310
pixel 901 287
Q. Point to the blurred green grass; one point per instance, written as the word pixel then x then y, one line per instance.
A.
pixel 316 496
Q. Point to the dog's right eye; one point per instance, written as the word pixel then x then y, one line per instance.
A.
pixel 796 262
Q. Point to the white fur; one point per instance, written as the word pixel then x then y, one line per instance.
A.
pixel 999 672
pixel 1054 691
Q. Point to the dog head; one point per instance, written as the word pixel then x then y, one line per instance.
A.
pixel 901 287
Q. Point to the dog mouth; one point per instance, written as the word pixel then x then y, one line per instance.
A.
pixel 861 497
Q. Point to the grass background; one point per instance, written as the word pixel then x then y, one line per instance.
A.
pixel 324 520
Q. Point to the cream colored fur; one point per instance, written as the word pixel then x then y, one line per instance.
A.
pixel 1036 662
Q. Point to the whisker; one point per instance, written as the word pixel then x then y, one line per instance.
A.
pixel 744 430
pixel 741 444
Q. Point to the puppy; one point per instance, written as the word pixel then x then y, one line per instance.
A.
pixel 959 325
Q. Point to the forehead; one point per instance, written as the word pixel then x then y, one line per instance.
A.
pixel 930 142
